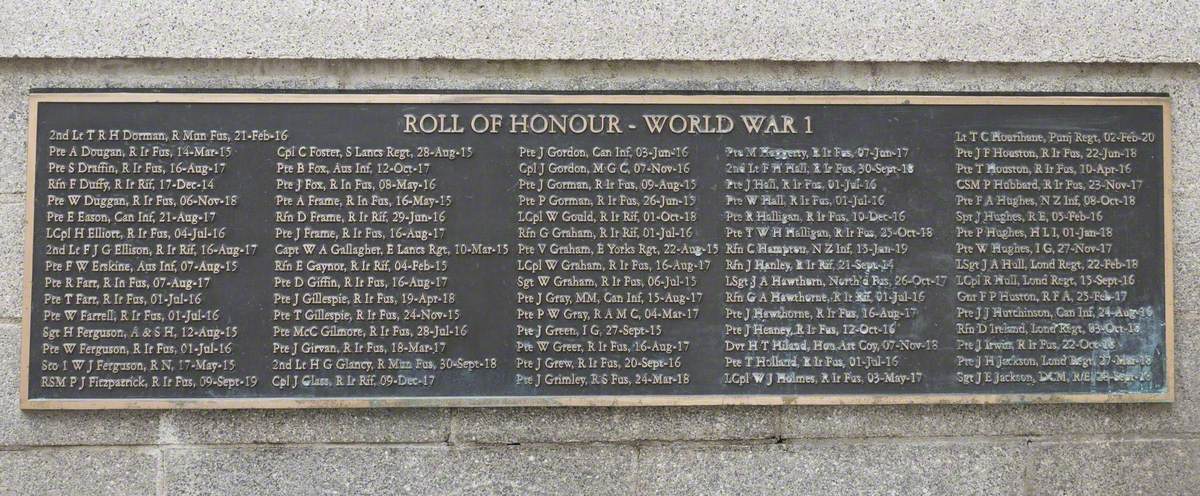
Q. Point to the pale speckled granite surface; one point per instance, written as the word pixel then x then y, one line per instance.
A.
pixel 789 30
pixel 1034 449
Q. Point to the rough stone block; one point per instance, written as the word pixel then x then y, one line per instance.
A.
pixel 12 255
pixel 306 426
pixel 14 126
pixel 583 469
pixel 842 468
pixel 566 424
pixel 1115 467
pixel 975 30
pixel 92 471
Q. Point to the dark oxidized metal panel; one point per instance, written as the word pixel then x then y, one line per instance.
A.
pixel 307 250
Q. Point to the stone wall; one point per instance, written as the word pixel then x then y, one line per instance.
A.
pixel 1009 449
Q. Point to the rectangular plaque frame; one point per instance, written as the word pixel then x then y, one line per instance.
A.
pixel 139 96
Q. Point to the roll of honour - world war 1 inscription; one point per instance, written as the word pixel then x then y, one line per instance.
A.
pixel 321 250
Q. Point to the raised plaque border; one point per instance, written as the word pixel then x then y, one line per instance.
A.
pixel 147 96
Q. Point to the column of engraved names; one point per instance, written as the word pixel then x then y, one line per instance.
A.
pixel 1043 278
pixel 362 293
pixel 607 272
pixel 136 239
pixel 814 290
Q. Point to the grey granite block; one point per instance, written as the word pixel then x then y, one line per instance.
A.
pixel 92 471
pixel 1147 467
pixel 848 30
pixel 524 425
pixel 14 125
pixel 306 426
pixel 582 470
pixel 833 468
pixel 12 256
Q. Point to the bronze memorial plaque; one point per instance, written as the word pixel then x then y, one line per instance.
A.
pixel 233 250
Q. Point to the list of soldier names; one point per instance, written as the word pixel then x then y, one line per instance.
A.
pixel 391 251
